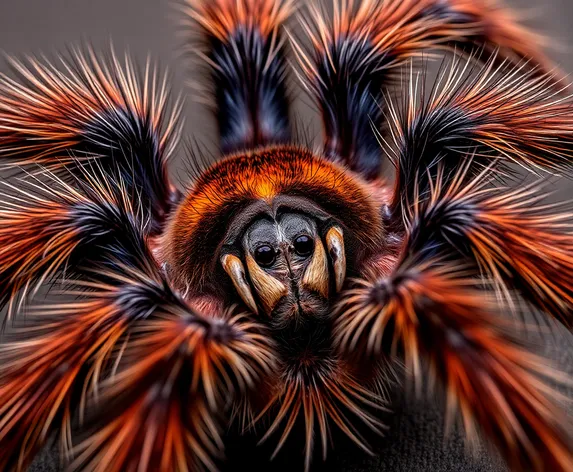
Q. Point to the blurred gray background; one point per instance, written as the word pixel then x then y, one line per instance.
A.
pixel 151 27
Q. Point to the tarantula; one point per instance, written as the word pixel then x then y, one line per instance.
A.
pixel 281 287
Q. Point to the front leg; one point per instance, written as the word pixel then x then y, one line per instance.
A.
pixel 434 306
pixel 155 372
pixel 356 55
pixel 102 115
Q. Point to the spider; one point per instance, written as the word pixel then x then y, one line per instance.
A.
pixel 286 286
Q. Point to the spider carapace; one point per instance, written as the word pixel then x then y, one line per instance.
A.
pixel 285 285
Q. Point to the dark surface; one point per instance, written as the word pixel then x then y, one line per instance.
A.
pixel 415 440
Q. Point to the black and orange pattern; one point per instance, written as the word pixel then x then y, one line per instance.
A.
pixel 194 232
pixel 64 115
pixel 464 243
pixel 430 310
pixel 158 352
pixel 127 337
pixel 244 49
pixel 357 52
pixel 57 228
pixel 497 114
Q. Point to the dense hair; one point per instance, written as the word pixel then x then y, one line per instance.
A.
pixel 286 288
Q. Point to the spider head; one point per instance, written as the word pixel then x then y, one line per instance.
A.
pixel 286 259
pixel 281 229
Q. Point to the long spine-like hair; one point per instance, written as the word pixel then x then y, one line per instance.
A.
pixel 129 344
pixel 429 310
pixel 321 396
pixel 356 54
pixel 512 237
pixel 496 114
pixel 67 114
pixel 473 126
pixel 435 306
pixel 50 228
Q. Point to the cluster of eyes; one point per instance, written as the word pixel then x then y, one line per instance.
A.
pixel 266 255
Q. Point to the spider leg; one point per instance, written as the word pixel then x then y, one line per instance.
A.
pixel 49 227
pixel 499 117
pixel 433 305
pixel 155 372
pixel 246 54
pixel 355 55
pixel 513 239
pixel 85 111
pixel 500 113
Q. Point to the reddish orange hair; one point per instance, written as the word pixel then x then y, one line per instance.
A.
pixel 196 231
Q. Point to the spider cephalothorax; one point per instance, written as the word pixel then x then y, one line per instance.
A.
pixel 219 219
pixel 281 289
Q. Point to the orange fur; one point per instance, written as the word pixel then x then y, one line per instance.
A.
pixel 158 369
pixel 401 29
pixel 323 393
pixel 34 244
pixel 516 241
pixel 195 232
pixel 40 375
pixel 43 116
pixel 47 225
pixel 220 18
pixel 142 362
pixel 428 309
pixel 167 398
pixel 507 112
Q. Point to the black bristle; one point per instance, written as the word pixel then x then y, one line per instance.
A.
pixel 96 113
pixel 84 234
pixel 128 149
pixel 358 50
pixel 250 91
pixel 475 119
pixel 349 92
pixel 245 50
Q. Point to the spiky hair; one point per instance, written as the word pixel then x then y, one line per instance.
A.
pixel 246 56
pixel 498 114
pixel 62 115
pixel 129 339
pixel 357 51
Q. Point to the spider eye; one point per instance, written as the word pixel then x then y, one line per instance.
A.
pixel 265 255
pixel 304 245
